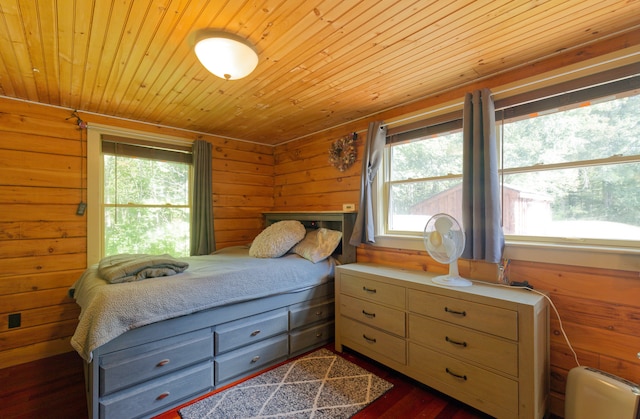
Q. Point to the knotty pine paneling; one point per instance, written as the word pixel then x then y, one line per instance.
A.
pixel 304 179
pixel 43 243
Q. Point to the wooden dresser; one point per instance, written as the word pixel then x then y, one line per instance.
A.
pixel 485 345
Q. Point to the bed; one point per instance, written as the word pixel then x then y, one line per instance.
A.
pixel 156 340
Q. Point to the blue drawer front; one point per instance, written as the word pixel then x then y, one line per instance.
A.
pixel 243 332
pixel 159 394
pixel 254 357
pixel 132 366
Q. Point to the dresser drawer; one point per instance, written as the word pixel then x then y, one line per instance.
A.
pixel 494 320
pixel 372 314
pixel 252 329
pixel 368 289
pixel 258 355
pixel 476 386
pixel 480 348
pixel 141 363
pixel 158 394
pixel 369 340
pixel 302 315
pixel 312 337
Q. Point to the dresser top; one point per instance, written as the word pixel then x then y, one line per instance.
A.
pixel 423 281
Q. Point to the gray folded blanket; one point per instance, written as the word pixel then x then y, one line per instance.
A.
pixel 133 267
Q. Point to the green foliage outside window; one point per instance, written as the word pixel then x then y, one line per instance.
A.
pixel 146 206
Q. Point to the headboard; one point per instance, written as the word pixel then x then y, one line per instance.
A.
pixel 333 220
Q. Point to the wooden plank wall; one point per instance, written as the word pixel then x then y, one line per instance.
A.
pixel 43 242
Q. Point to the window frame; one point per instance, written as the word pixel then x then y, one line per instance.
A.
pixel 536 249
pixel 95 177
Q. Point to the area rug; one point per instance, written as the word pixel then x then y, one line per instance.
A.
pixel 318 385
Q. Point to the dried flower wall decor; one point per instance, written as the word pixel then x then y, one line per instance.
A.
pixel 342 152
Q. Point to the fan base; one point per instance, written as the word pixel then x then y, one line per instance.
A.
pixel 452 281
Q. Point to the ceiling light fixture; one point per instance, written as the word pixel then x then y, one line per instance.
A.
pixel 226 55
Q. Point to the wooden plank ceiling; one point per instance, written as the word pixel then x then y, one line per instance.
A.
pixel 322 62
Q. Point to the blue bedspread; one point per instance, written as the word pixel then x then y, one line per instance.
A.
pixel 225 277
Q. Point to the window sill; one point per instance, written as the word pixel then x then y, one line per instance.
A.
pixel 624 259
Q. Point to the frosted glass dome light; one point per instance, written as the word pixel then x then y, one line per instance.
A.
pixel 226 55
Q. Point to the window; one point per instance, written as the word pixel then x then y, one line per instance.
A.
pixel 140 186
pixel 424 173
pixel 570 166
pixel 573 172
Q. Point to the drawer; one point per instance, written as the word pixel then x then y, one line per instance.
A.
pixel 159 394
pixel 305 314
pixel 372 314
pixel 368 289
pixel 491 393
pixel 253 357
pixel 370 341
pixel 252 329
pixel 494 320
pixel 314 336
pixel 488 350
pixel 141 363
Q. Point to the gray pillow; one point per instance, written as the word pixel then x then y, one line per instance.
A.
pixel 277 239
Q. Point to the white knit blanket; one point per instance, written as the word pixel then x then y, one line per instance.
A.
pixel 225 277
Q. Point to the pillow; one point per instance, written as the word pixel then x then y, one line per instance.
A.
pixel 276 240
pixel 318 244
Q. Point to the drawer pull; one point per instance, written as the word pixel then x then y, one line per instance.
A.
pixel 462 377
pixel 455 342
pixel 163 395
pixel 319 334
pixel 255 333
pixel 460 313
pixel 371 290
pixel 369 315
pixel 163 363
pixel 368 339
pixel 318 313
pixel 255 359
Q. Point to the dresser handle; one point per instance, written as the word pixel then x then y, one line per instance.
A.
pixel 163 363
pixel 319 334
pixel 462 377
pixel 368 339
pixel 371 290
pixel 370 315
pixel 163 395
pixel 255 359
pixel 318 313
pixel 461 313
pixel 255 332
pixel 455 342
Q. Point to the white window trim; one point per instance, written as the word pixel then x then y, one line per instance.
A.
pixel 95 179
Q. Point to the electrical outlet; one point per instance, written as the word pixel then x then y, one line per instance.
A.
pixel 14 320
pixel 348 207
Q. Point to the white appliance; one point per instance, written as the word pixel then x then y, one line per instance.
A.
pixel 595 394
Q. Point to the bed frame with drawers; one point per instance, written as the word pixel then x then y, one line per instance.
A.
pixel 157 367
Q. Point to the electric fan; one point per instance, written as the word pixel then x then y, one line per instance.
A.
pixel 444 240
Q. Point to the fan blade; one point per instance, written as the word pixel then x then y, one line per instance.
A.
pixel 435 239
pixel 449 246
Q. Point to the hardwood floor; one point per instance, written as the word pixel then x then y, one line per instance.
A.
pixel 54 388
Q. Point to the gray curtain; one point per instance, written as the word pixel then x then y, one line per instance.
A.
pixel 481 216
pixel 202 237
pixel 363 230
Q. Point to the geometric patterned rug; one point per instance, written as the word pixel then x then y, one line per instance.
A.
pixel 318 385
